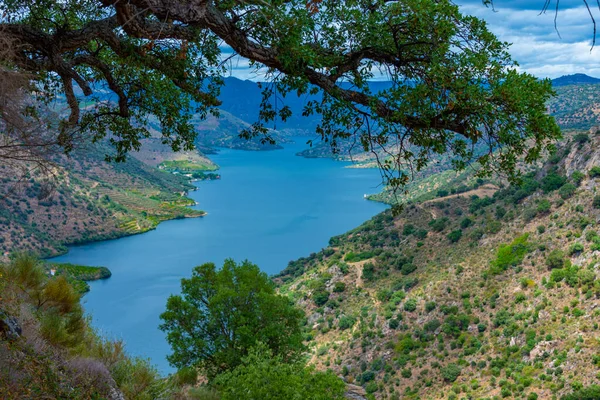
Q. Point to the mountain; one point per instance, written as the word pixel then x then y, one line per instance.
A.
pixel 489 294
pixel 575 79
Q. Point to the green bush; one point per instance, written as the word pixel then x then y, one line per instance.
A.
pixel 346 322
pixel 466 222
pixel 543 206
pixel 581 138
pixel 556 259
pixel 588 393
pixel 421 234
pixel 577 177
pixel 594 172
pixel 575 248
pixel 451 372
pixel 410 305
pixel 567 190
pixel 339 287
pixel 596 202
pixel 368 272
pixel 408 269
pixel 511 255
pixel 454 236
pixel 553 181
pixel 439 224
pixel 320 296
pixel 408 229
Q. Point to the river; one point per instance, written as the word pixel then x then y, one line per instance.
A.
pixel 269 207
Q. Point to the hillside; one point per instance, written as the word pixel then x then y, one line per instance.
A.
pixel 576 106
pixel 89 199
pixel 465 297
pixel 575 79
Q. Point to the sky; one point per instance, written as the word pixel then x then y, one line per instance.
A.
pixel 535 44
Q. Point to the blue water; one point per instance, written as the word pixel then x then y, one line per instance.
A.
pixel 269 207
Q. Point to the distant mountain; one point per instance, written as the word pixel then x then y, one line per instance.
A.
pixel 575 79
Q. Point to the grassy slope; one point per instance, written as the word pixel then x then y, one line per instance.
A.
pixel 403 333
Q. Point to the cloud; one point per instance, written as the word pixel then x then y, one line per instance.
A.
pixel 535 44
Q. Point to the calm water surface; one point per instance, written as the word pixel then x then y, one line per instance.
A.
pixel 269 208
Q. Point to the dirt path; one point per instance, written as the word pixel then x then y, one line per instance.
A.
pixel 486 190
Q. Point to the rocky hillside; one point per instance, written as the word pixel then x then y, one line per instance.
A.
pixel 491 294
pixel 88 199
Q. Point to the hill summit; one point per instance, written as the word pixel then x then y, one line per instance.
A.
pixel 575 79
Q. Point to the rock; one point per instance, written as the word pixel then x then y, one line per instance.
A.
pixel 9 327
pixel 312 319
pixel 354 392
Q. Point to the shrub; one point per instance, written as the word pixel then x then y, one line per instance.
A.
pixel 346 322
pixel 430 306
pixel 543 206
pixel 466 222
pixel 553 181
pixel 320 296
pixel 577 177
pixel 368 271
pixel 410 305
pixel 594 172
pixel 575 248
pixel 581 138
pixel 421 234
pixel 541 229
pixel 454 236
pixel 556 259
pixel 451 372
pixel 408 269
pixel 408 229
pixel 511 255
pixel 596 202
pixel 339 287
pixel 432 325
pixel 567 190
pixel 588 393
pixel 438 224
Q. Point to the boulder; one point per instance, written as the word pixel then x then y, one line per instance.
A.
pixel 9 327
pixel 354 392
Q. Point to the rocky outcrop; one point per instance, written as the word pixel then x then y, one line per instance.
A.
pixel 354 392
pixel 9 327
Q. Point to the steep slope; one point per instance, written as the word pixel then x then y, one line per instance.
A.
pixel 465 297
pixel 92 200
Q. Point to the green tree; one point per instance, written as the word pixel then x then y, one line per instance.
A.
pixel 263 376
pixel 221 314
pixel 453 84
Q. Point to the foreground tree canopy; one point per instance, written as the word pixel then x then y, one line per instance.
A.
pixel 221 314
pixel 454 85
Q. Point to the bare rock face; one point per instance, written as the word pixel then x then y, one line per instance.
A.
pixel 9 327
pixel 354 392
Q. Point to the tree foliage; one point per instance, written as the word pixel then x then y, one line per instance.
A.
pixel 221 314
pixel 454 88
pixel 262 376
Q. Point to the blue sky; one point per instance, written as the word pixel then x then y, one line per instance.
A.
pixel 535 44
